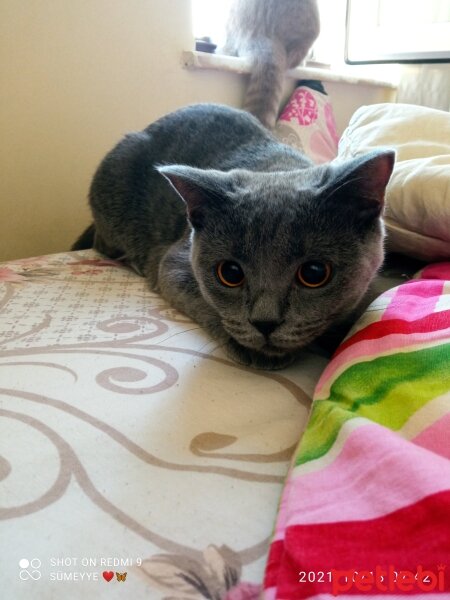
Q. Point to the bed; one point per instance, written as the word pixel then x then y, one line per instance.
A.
pixel 128 441
pixel 137 461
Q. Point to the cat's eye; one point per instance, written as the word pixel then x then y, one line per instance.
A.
pixel 229 273
pixel 314 273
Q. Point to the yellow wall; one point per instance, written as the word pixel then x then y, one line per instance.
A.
pixel 75 75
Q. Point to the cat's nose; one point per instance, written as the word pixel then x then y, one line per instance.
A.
pixel 265 327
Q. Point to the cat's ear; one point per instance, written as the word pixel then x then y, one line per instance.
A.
pixel 360 183
pixel 201 190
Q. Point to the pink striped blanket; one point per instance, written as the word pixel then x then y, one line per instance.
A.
pixel 365 511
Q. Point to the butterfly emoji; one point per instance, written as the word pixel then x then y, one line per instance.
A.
pixel 121 576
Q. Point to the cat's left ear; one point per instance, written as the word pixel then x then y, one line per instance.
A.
pixel 360 184
pixel 202 190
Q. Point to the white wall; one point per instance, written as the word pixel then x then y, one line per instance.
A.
pixel 427 85
pixel 75 75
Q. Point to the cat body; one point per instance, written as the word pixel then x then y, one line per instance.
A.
pixel 275 35
pixel 232 227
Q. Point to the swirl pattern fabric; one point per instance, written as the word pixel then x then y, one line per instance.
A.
pixel 129 443
pixel 368 493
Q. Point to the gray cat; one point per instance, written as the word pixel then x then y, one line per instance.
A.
pixel 275 35
pixel 267 251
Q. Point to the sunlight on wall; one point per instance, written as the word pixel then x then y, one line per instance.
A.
pixel 209 18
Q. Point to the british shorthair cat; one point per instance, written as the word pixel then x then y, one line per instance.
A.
pixel 240 232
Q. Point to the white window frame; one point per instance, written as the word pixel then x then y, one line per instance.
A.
pixel 370 39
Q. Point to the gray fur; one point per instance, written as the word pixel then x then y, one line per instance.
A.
pixel 249 199
pixel 275 35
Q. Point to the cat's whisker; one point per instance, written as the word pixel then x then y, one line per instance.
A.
pixel 214 348
pixel 178 333
pixel 345 183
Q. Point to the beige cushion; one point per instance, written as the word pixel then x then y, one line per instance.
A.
pixel 418 195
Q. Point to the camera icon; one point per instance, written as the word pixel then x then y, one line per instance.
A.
pixel 29 569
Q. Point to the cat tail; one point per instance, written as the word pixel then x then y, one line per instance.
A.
pixel 265 88
pixel 86 239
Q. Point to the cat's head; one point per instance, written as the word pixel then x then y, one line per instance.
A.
pixel 281 256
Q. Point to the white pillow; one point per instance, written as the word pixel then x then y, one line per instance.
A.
pixel 417 212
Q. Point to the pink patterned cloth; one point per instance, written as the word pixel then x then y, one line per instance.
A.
pixel 307 123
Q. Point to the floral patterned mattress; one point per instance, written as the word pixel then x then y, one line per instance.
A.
pixel 136 461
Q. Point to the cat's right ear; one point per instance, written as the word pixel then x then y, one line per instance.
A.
pixel 359 184
pixel 200 189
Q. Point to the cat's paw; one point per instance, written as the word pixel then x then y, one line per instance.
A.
pixel 258 360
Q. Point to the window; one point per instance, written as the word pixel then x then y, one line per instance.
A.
pixel 377 30
pixel 209 19
pixel 398 30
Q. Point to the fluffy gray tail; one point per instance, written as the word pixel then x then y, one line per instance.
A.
pixel 86 239
pixel 265 87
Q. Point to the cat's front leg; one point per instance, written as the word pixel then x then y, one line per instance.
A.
pixel 258 360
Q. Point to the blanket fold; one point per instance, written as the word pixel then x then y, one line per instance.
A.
pixel 366 507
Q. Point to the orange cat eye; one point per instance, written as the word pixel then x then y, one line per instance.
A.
pixel 314 273
pixel 230 274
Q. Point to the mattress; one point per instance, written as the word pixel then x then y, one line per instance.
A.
pixel 136 460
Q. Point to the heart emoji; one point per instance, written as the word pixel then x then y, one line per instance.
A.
pixel 108 575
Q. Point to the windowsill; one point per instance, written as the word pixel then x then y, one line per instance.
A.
pixel 192 59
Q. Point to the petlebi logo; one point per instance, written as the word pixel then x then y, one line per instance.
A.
pixel 389 580
pixel 29 569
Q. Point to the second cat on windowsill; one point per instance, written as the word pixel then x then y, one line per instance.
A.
pixel 275 35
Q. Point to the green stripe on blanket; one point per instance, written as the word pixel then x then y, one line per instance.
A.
pixel 387 390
